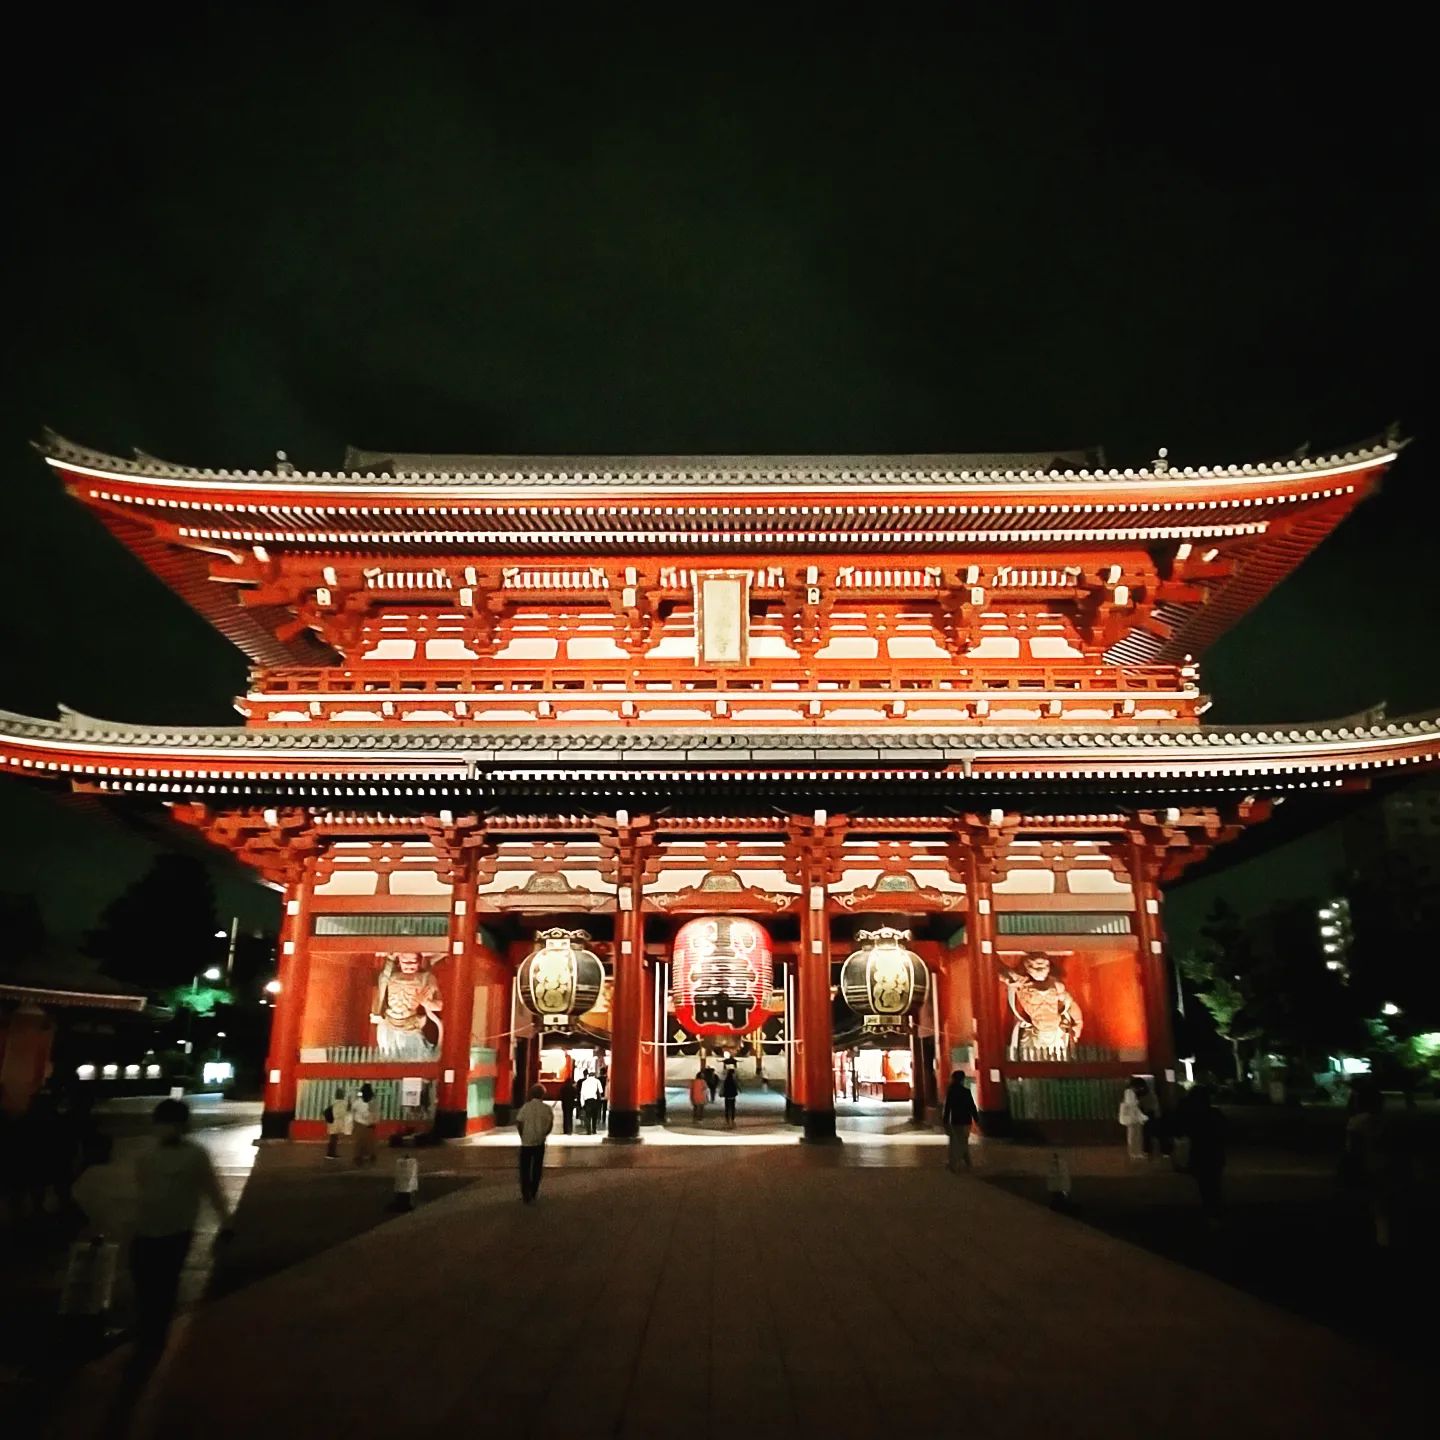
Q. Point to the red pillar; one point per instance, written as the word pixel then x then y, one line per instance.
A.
pixel 499 1023
pixel 1155 982
pixel 627 1002
pixel 453 1107
pixel 293 959
pixel 651 1087
pixel 794 1066
pixel 817 1040
pixel 990 1027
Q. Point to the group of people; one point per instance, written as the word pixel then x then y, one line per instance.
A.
pixel 42 1151
pixel 1193 1134
pixel 351 1117
pixel 590 1095
pixel 708 1083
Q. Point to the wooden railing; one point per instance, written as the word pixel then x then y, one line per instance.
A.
pixel 485 678
pixel 622 694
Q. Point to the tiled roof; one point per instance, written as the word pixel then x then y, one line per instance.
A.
pixel 738 471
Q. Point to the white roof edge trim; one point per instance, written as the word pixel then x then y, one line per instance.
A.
pixel 1033 482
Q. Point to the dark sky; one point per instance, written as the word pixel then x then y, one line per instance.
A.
pixel 423 228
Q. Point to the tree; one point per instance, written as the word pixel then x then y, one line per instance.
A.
pixel 161 931
pixel 1218 969
pixel 22 924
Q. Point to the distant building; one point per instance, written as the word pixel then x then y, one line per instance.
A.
pixel 70 1025
pixel 1401 828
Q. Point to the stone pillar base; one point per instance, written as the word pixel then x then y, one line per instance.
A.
pixel 652 1114
pixel 820 1128
pixel 504 1114
pixel 450 1124
pixel 794 1113
pixel 275 1124
pixel 624 1126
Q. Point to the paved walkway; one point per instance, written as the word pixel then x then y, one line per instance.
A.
pixel 765 1291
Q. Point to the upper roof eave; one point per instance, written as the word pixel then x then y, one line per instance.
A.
pixel 73 729
pixel 722 472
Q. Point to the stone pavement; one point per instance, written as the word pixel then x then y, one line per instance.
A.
pixel 767 1291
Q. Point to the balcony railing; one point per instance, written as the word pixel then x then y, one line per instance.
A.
pixel 630 694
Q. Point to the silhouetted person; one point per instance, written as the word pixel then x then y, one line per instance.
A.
pixel 603 1076
pixel 590 1096
pixel 1378 1161
pixel 712 1080
pixel 730 1089
pixel 569 1096
pixel 534 1121
pixel 12 1184
pixel 1205 1125
pixel 174 1175
pixel 958 1116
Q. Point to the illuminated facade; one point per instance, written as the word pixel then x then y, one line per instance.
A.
pixel 736 716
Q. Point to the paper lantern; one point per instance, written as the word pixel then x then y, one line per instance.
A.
pixel 721 977
pixel 560 978
pixel 882 979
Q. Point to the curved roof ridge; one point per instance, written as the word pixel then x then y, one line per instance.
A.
pixel 71 725
pixel 922 469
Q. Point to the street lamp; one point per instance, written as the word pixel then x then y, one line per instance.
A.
pixel 1389 1008
pixel 213 973
pixel 273 987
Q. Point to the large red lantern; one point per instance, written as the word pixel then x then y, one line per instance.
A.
pixel 722 976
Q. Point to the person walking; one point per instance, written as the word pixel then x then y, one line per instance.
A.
pixel 730 1089
pixel 569 1094
pixel 175 1175
pixel 958 1116
pixel 603 1076
pixel 362 1122
pixel 339 1122
pixel 712 1080
pixel 1205 1127
pixel 1149 1103
pixel 534 1120
pixel 1132 1119
pixel 1377 1160
pixel 590 1097
pixel 699 1094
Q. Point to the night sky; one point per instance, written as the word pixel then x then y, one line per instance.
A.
pixel 467 228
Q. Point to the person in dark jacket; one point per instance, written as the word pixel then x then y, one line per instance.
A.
pixel 959 1115
pixel 1204 1126
pixel 569 1097
pixel 730 1089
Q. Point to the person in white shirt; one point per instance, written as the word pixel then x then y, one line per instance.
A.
pixel 338 1122
pixel 362 1124
pixel 592 1093
pixel 174 1176
pixel 534 1120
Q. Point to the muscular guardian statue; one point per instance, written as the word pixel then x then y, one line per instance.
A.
pixel 1047 1019
pixel 406 999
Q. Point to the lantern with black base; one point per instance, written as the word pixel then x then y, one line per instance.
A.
pixel 723 973
pixel 883 980
pixel 561 977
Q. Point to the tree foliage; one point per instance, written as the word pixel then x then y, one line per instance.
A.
pixel 161 931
